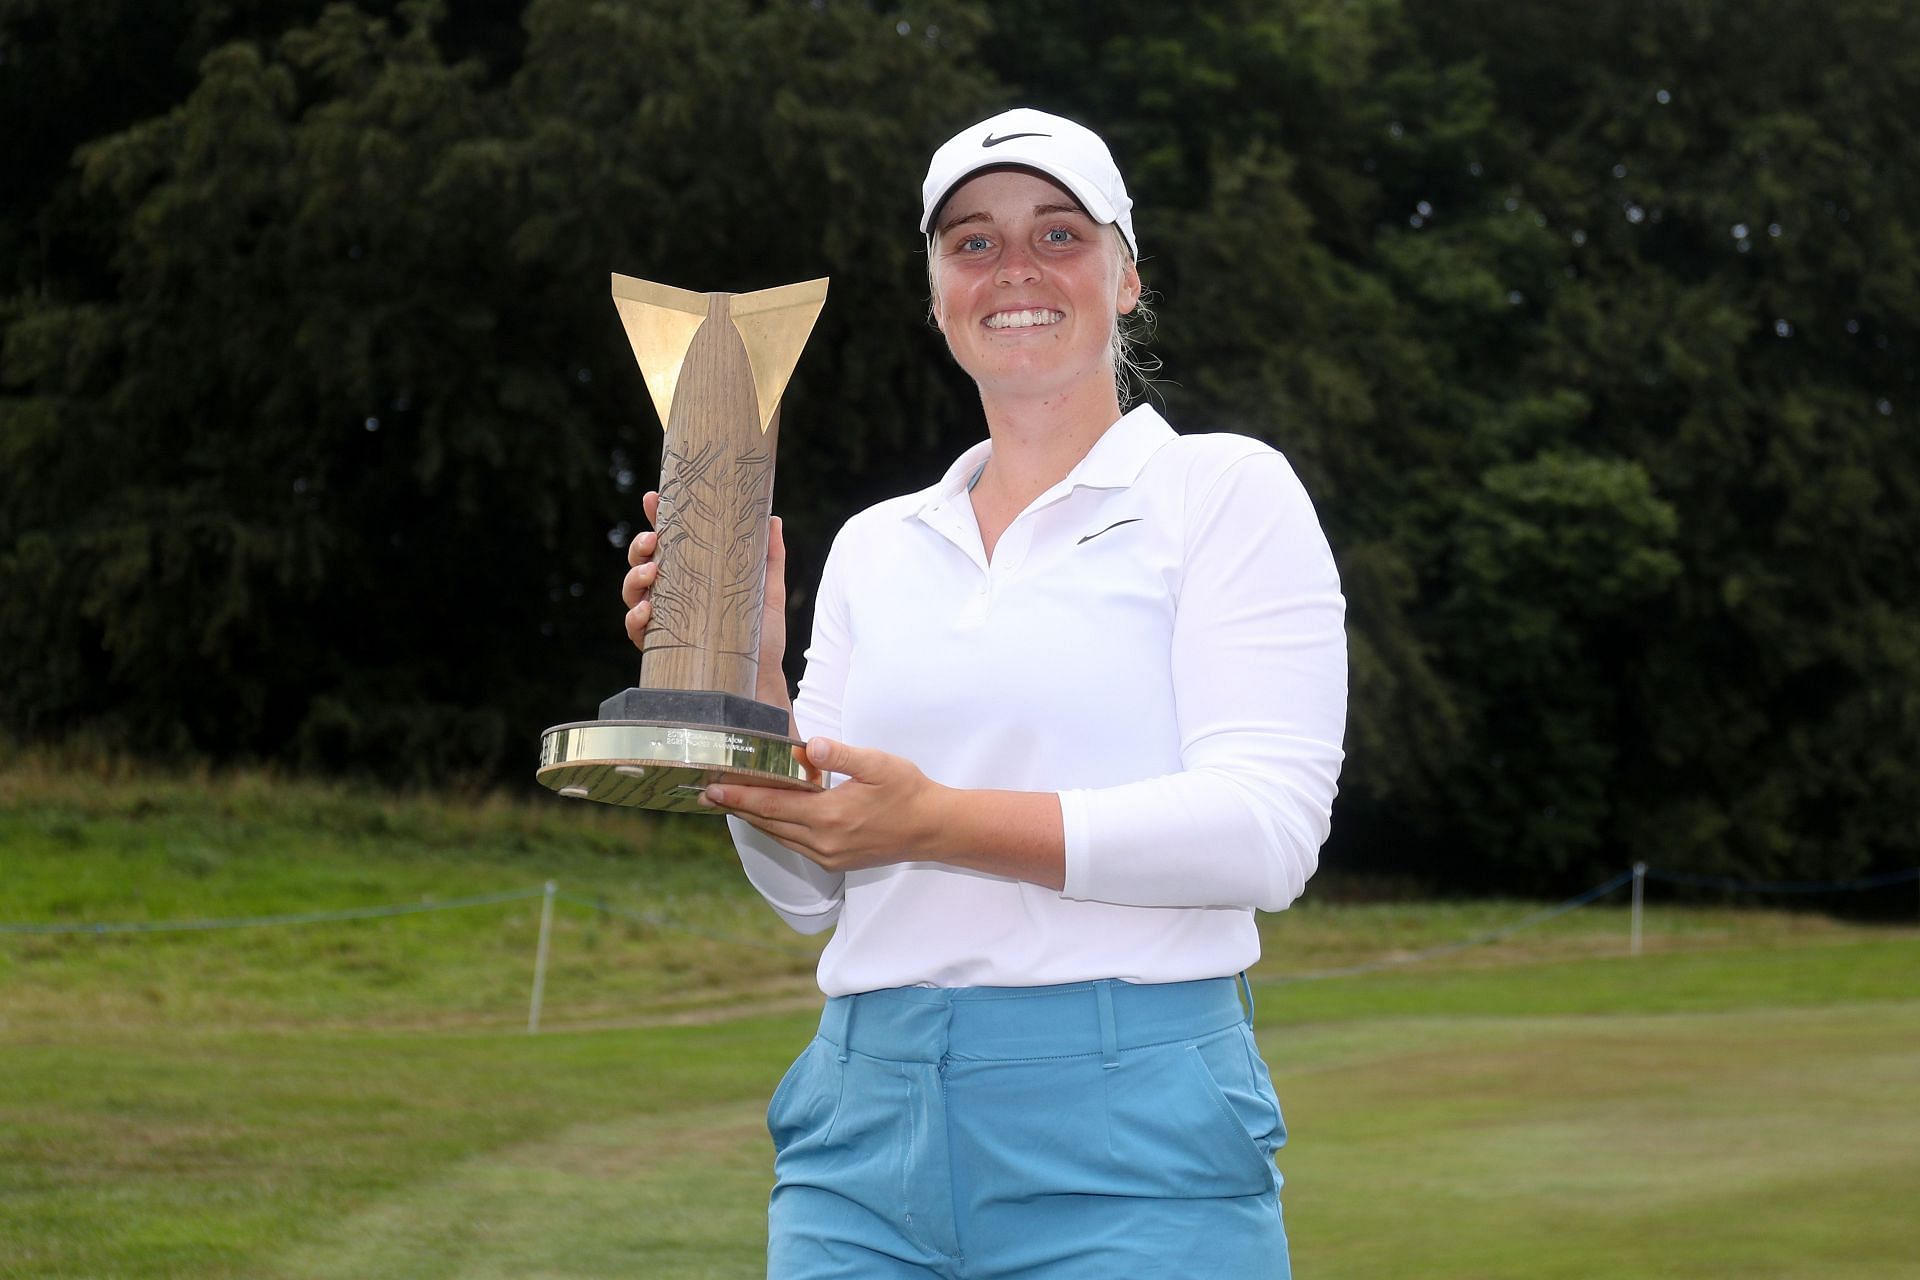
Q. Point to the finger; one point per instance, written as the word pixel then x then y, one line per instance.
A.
pixel 776 593
pixel 777 548
pixel 775 804
pixel 650 504
pixel 638 582
pixel 794 835
pixel 641 549
pixel 637 619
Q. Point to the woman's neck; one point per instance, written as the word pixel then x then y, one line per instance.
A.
pixel 1037 441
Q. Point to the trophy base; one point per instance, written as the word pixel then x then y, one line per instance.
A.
pixel 659 763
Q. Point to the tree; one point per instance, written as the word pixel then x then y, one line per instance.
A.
pixel 323 475
pixel 1592 332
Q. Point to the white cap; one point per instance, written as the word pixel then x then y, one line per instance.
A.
pixel 1069 153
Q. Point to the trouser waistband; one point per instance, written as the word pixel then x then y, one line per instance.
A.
pixel 927 1024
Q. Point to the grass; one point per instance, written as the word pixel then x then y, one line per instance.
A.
pixel 1756 1143
pixel 361 1100
pixel 81 849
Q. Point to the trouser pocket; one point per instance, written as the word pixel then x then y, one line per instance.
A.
pixel 806 1099
pixel 1188 1119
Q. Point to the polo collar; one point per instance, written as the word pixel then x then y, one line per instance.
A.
pixel 1114 462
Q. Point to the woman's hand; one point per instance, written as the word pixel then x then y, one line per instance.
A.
pixel 637 586
pixel 637 591
pixel 884 811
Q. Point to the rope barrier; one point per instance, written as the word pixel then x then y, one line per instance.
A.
pixel 248 922
pixel 547 893
pixel 653 920
pixel 657 921
pixel 1479 939
pixel 662 922
pixel 1640 872
pixel 1785 886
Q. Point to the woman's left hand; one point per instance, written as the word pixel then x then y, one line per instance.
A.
pixel 882 813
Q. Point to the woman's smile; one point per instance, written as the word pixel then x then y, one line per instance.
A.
pixel 1029 318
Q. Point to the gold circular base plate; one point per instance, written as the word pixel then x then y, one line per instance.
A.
pixel 645 765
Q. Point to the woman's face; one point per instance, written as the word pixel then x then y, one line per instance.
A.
pixel 1027 286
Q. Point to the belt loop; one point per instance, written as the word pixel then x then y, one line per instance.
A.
pixel 1247 987
pixel 1109 1037
pixel 846 1028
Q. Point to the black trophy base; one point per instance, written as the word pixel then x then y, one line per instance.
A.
pixel 659 748
pixel 696 706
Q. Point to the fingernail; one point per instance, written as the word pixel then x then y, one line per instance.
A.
pixel 713 797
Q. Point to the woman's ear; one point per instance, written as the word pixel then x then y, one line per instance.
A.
pixel 1129 295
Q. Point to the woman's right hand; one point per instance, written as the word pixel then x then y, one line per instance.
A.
pixel 637 591
pixel 637 586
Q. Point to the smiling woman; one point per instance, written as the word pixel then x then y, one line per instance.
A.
pixel 1083 698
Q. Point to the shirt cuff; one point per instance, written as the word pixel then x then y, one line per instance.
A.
pixel 805 894
pixel 1073 827
pixel 1191 839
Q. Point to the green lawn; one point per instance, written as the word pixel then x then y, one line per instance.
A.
pixel 361 1099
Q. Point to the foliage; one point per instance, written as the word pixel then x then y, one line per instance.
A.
pixel 1591 330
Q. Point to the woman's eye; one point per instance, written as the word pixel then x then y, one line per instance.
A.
pixel 1059 235
pixel 973 244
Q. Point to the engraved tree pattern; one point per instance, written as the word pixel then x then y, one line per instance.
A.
pixel 712 550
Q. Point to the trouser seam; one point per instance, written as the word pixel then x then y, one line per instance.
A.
pixel 959 1254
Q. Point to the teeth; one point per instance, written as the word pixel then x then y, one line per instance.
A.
pixel 1023 319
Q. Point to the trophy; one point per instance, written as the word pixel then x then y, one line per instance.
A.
pixel 715 365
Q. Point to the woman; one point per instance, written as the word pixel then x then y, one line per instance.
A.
pixel 1084 697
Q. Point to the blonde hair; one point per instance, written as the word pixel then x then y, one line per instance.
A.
pixel 1132 363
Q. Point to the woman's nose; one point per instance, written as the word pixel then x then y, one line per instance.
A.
pixel 1017 266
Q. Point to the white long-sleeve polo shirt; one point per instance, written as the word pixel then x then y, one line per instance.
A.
pixel 1159 639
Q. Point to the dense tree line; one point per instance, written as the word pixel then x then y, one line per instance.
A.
pixel 1591 328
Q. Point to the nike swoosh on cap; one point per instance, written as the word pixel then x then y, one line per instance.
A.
pixel 992 141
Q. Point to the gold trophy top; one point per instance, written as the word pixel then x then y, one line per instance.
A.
pixel 773 325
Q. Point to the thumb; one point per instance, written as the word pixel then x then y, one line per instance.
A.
pixel 777 548
pixel 838 757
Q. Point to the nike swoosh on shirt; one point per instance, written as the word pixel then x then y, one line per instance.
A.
pixel 1109 529
pixel 994 142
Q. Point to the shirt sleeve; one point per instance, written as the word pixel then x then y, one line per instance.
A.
pixel 1259 667
pixel 806 895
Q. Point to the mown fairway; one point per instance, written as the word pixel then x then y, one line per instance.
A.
pixel 361 1099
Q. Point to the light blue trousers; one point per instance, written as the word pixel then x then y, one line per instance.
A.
pixel 1098 1130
